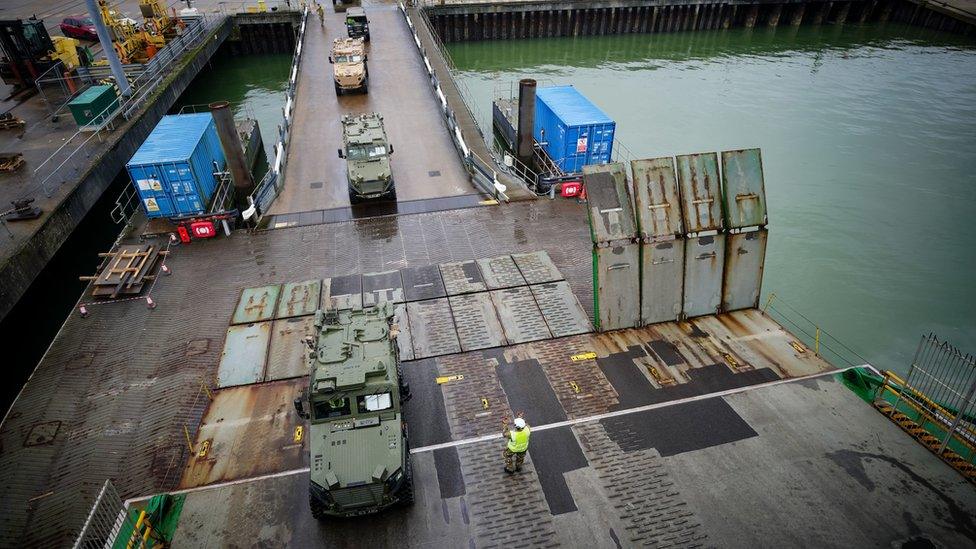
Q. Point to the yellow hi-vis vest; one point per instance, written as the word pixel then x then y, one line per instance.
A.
pixel 518 441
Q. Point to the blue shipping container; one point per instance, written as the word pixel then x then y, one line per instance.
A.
pixel 173 170
pixel 572 130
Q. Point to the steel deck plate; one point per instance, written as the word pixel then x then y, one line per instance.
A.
pixel 500 272
pixel 288 356
pixel 462 277
pixel 477 322
pixel 385 286
pixel 519 315
pixel 563 313
pixel 256 304
pixel 404 339
pixel 421 283
pixel 245 352
pixel 432 328
pixel 299 298
pixel 537 267
pixel 342 292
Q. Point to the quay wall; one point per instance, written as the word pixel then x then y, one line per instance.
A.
pixel 463 21
pixel 21 269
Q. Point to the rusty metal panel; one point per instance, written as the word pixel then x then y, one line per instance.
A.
pixel 616 298
pixel 520 316
pixel 422 283
pixel 743 188
pixel 662 280
pixel 537 267
pixel 432 328
pixel 608 201
pixel 704 263
pixel 404 340
pixel 500 272
pixel 744 261
pixel 462 277
pixel 288 354
pixel 563 313
pixel 244 355
pixel 477 322
pixel 385 286
pixel 256 304
pixel 342 292
pixel 701 198
pixel 247 432
pixel 299 298
pixel 656 198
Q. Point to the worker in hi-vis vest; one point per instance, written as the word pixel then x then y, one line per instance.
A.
pixel 518 444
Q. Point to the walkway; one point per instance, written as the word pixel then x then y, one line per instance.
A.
pixel 425 164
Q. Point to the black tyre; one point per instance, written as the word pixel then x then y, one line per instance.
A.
pixel 392 194
pixel 338 90
pixel 366 85
pixel 353 197
pixel 406 494
pixel 318 510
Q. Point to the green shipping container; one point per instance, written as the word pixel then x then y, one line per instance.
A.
pixel 94 106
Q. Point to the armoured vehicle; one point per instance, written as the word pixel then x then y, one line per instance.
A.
pixel 349 70
pixel 360 460
pixel 343 5
pixel 367 152
pixel 356 23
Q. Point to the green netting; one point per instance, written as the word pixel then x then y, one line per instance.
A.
pixel 163 512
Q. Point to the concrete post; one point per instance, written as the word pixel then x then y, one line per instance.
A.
pixel 526 120
pixel 798 15
pixel 774 15
pixel 230 142
pixel 842 14
pixel 752 16
pixel 105 39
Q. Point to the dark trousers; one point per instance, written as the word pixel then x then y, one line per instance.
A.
pixel 514 460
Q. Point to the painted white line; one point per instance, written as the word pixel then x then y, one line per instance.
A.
pixel 280 474
pixel 618 413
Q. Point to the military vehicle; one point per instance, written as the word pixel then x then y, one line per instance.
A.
pixel 367 153
pixel 360 459
pixel 343 5
pixel 356 23
pixel 349 70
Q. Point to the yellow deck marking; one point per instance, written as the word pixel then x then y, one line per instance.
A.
pixel 489 202
pixel 484 403
pixel 299 433
pixel 444 379
pixel 731 360
pixel 798 346
pixel 204 448
pixel 576 388
pixel 583 356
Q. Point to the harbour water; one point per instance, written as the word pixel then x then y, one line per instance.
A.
pixel 868 135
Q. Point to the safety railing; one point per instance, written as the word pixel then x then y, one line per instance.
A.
pixel 939 391
pixel 258 6
pixel 271 184
pixel 484 175
pixel 106 521
pixel 68 159
pixel 811 334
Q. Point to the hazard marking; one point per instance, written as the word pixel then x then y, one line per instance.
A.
pixel 583 356
pixel 445 379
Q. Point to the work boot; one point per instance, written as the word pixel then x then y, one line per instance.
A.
pixel 509 471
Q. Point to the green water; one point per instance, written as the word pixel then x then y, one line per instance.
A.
pixel 255 86
pixel 869 147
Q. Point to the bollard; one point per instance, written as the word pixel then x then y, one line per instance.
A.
pixel 83 311
pixel 166 270
pixel 150 303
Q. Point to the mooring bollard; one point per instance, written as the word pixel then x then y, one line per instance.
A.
pixel 166 270
pixel 150 303
pixel 83 311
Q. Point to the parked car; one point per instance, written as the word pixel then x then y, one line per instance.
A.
pixel 79 26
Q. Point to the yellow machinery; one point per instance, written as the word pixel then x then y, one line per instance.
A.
pixel 158 26
pixel 66 51
pixel 126 38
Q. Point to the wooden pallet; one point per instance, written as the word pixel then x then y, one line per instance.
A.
pixel 126 270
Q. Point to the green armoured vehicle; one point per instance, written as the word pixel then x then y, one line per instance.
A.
pixel 367 152
pixel 360 460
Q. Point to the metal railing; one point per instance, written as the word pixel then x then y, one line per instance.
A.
pixel 271 184
pixel 107 519
pixel 941 388
pixel 74 153
pixel 484 174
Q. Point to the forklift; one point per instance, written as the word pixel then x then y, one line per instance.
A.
pixel 28 51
